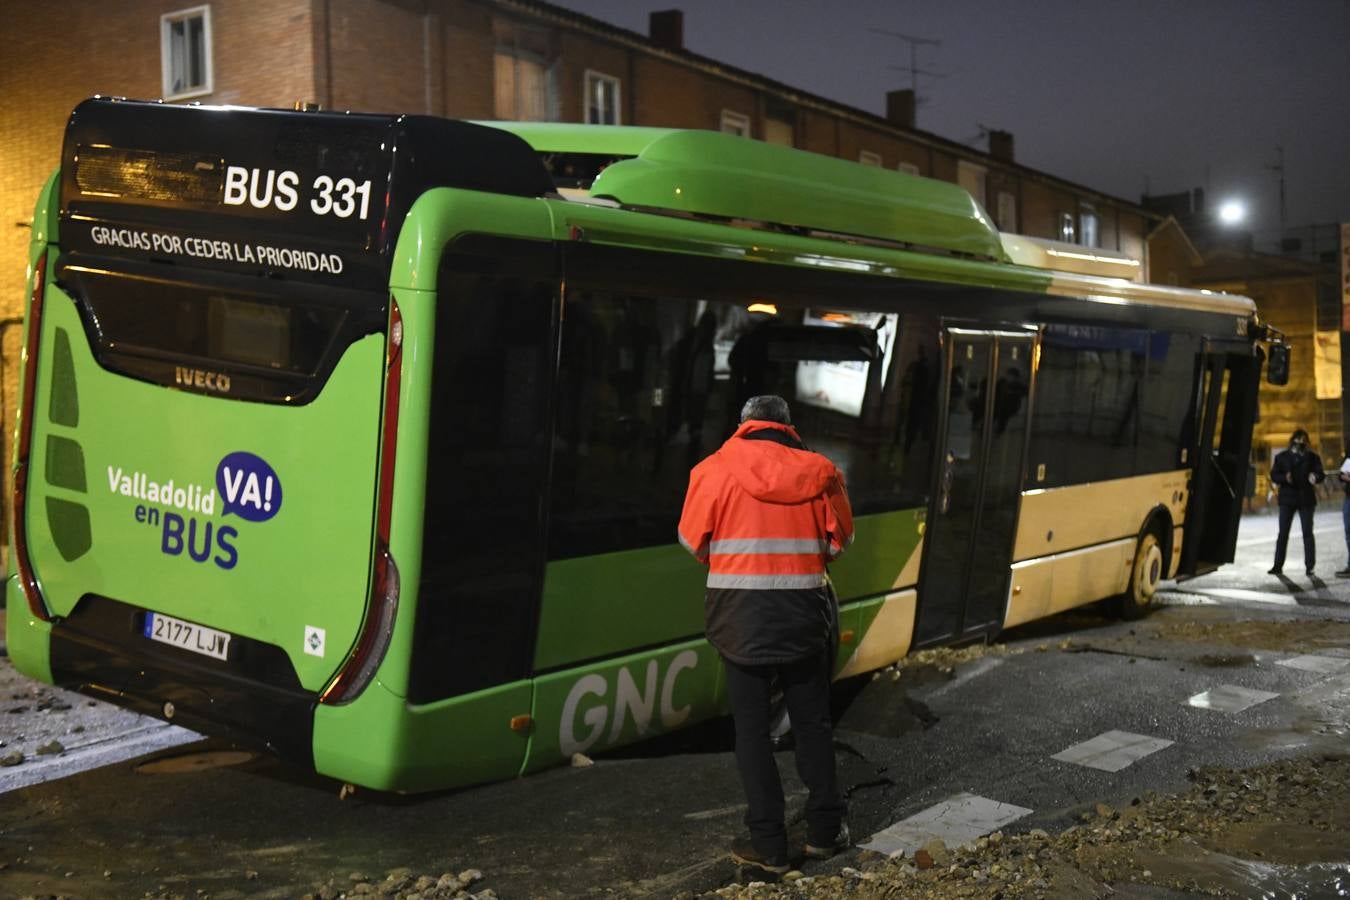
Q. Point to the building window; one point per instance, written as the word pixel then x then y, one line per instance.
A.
pixel 908 167
pixel 868 158
pixel 602 99
pixel 1089 226
pixel 185 52
pixel 735 123
pixel 523 78
pixel 778 130
pixel 1067 232
pixel 972 178
pixel 1005 212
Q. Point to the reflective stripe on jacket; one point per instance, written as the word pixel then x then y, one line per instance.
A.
pixel 766 516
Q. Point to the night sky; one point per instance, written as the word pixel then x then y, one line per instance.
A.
pixel 1155 96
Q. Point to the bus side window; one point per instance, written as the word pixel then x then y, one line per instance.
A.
pixel 482 557
pixel 1088 404
pixel 649 386
pixel 1165 426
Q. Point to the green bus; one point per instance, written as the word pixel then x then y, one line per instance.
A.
pixel 363 438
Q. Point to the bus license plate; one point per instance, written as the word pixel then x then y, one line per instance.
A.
pixel 197 638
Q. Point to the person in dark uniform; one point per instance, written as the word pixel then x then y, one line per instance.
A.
pixel 1296 471
pixel 1344 476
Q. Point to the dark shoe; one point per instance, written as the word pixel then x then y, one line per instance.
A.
pixel 1275 571
pixel 745 854
pixel 1343 573
pixel 838 844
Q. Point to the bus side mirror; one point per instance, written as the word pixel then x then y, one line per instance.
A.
pixel 1277 367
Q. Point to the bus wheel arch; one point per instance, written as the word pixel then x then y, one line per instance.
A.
pixel 1151 552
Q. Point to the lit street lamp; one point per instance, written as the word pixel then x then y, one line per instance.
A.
pixel 1232 212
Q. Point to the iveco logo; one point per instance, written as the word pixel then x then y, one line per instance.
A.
pixel 200 378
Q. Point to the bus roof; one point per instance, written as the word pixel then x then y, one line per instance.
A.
pixel 741 181
pixel 725 176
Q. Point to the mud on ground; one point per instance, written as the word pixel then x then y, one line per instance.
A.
pixel 1282 827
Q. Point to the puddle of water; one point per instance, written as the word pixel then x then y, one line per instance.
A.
pixel 1209 872
pixel 1300 882
pixel 194 762
pixel 1224 661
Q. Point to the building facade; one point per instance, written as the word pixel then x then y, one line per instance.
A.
pixel 474 59
pixel 1302 299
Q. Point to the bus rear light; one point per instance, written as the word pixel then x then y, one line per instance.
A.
pixel 27 578
pixel 376 632
pixel 378 626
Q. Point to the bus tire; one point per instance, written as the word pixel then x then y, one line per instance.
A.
pixel 1145 576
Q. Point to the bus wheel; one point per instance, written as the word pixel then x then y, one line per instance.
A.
pixel 1145 576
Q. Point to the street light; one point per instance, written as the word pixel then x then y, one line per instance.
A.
pixel 1232 212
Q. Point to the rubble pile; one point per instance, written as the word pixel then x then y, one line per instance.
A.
pixel 945 659
pixel 403 884
pixel 1290 812
pixel 1262 634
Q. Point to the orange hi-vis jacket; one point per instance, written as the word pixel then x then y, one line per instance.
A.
pixel 766 516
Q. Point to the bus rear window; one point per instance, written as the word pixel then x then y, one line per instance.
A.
pixel 272 349
pixel 259 334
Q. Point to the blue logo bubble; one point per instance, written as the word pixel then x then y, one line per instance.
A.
pixel 248 487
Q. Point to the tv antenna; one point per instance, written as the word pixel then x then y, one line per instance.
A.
pixel 983 133
pixel 913 67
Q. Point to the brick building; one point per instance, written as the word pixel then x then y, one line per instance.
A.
pixel 1302 299
pixel 478 59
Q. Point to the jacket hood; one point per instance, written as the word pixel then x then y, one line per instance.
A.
pixel 772 472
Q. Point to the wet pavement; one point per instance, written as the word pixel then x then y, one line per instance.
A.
pixel 1008 723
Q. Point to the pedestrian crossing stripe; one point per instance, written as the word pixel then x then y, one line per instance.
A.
pixel 1112 751
pixel 955 821
pixel 1230 698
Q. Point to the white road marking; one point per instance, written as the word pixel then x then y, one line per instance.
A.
pixel 1230 698
pixel 122 747
pixel 1322 665
pixel 717 813
pixel 1183 598
pixel 1324 528
pixel 1280 599
pixel 957 820
pixel 1112 751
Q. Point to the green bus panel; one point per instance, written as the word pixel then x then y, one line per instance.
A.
pixel 27 638
pixel 106 447
pixel 599 606
pixel 882 547
pixel 382 742
pixel 619 701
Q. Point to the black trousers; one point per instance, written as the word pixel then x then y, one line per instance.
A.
pixel 1305 515
pixel 806 691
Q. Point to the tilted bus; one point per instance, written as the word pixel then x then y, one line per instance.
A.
pixel 363 438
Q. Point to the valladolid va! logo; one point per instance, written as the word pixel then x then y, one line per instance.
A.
pixel 191 519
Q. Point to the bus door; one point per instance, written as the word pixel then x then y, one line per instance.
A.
pixel 973 521
pixel 1225 410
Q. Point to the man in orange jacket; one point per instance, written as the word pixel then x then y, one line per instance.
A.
pixel 765 515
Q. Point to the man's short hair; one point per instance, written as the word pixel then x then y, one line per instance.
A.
pixel 766 408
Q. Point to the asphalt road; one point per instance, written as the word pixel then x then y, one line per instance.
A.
pixel 658 819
